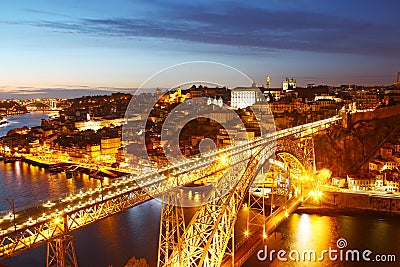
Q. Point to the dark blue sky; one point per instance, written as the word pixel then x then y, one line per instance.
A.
pixel 90 44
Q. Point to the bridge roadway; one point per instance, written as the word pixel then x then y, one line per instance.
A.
pixel 36 225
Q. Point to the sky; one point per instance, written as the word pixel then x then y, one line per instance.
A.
pixel 73 47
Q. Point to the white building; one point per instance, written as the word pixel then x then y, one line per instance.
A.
pixel 242 97
pixel 288 84
pixel 358 183
pixel 214 101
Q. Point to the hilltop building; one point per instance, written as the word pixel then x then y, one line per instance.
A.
pixel 289 84
pixel 242 97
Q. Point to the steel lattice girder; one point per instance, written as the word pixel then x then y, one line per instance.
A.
pixel 42 231
pixel 207 235
pixel 61 252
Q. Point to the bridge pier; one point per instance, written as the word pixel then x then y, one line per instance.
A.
pixel 172 228
pixel 61 252
pixel 309 152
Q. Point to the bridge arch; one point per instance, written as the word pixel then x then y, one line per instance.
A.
pixel 33 106
pixel 289 158
pixel 293 156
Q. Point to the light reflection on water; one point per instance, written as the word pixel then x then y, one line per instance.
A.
pixel 111 241
pixel 314 232
pixel 135 232
pixel 29 184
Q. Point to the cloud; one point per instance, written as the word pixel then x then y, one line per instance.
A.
pixel 238 24
pixel 41 12
pixel 19 90
pixel 65 91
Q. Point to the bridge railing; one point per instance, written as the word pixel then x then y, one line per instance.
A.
pixel 151 179
pixel 205 158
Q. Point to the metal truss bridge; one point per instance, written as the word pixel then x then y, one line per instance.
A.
pixel 203 242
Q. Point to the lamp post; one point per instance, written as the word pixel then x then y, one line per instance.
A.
pixel 11 202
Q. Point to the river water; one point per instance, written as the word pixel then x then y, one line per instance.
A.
pixel 135 232
pixel 19 121
pixel 301 232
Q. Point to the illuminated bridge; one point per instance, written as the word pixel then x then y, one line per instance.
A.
pixel 41 106
pixel 205 241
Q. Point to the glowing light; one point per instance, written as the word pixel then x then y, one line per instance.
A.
pixel 223 159
pixel 246 233
pixel 30 221
pixel 57 220
pixel 315 194
pixel 265 236
pixel 324 175
pixel 48 204
pixel 306 177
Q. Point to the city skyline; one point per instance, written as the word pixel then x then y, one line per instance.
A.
pixel 95 154
pixel 165 133
pixel 49 48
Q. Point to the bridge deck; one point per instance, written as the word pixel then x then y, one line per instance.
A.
pixel 37 225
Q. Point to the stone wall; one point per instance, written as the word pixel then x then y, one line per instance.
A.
pixel 361 201
pixel 351 119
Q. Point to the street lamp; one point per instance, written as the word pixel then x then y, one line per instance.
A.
pixel 11 202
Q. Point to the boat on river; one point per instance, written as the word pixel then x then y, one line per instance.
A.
pixel 3 120
pixel 59 167
pixel 10 159
pixel 71 171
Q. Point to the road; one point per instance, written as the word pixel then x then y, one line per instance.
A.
pixel 372 193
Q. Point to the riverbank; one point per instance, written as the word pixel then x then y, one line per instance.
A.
pixel 368 202
pixel 335 211
pixel 39 163
pixel 352 203
pixel 3 120
pixel 71 167
pixel 30 120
